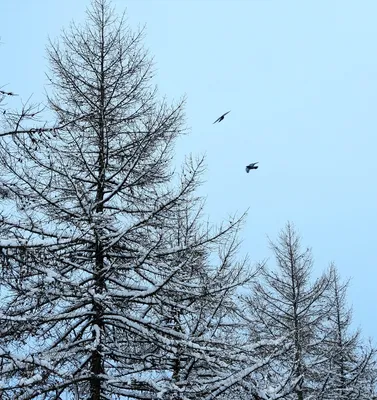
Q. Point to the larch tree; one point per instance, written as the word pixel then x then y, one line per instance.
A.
pixel 210 314
pixel 285 303
pixel 350 364
pixel 107 285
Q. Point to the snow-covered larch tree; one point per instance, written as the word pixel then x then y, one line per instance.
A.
pixel 107 284
pixel 285 303
pixel 350 363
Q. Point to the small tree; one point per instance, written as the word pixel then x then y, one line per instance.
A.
pixel 28 121
pixel 286 304
pixel 350 363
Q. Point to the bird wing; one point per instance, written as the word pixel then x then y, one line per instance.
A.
pixel 247 169
pixel 221 117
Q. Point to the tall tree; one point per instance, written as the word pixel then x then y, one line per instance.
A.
pixel 285 303
pixel 109 288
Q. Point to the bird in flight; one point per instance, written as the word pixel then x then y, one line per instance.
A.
pixel 251 166
pixel 221 118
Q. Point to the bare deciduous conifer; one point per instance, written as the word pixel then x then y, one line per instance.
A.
pixel 350 365
pixel 109 291
pixel 286 304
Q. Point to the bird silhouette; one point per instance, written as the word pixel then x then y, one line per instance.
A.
pixel 251 166
pixel 221 118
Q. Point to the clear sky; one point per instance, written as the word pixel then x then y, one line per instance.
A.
pixel 300 79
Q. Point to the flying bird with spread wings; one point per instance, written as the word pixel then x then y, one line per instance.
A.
pixel 222 117
pixel 251 166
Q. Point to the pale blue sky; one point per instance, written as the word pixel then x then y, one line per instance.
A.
pixel 301 80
